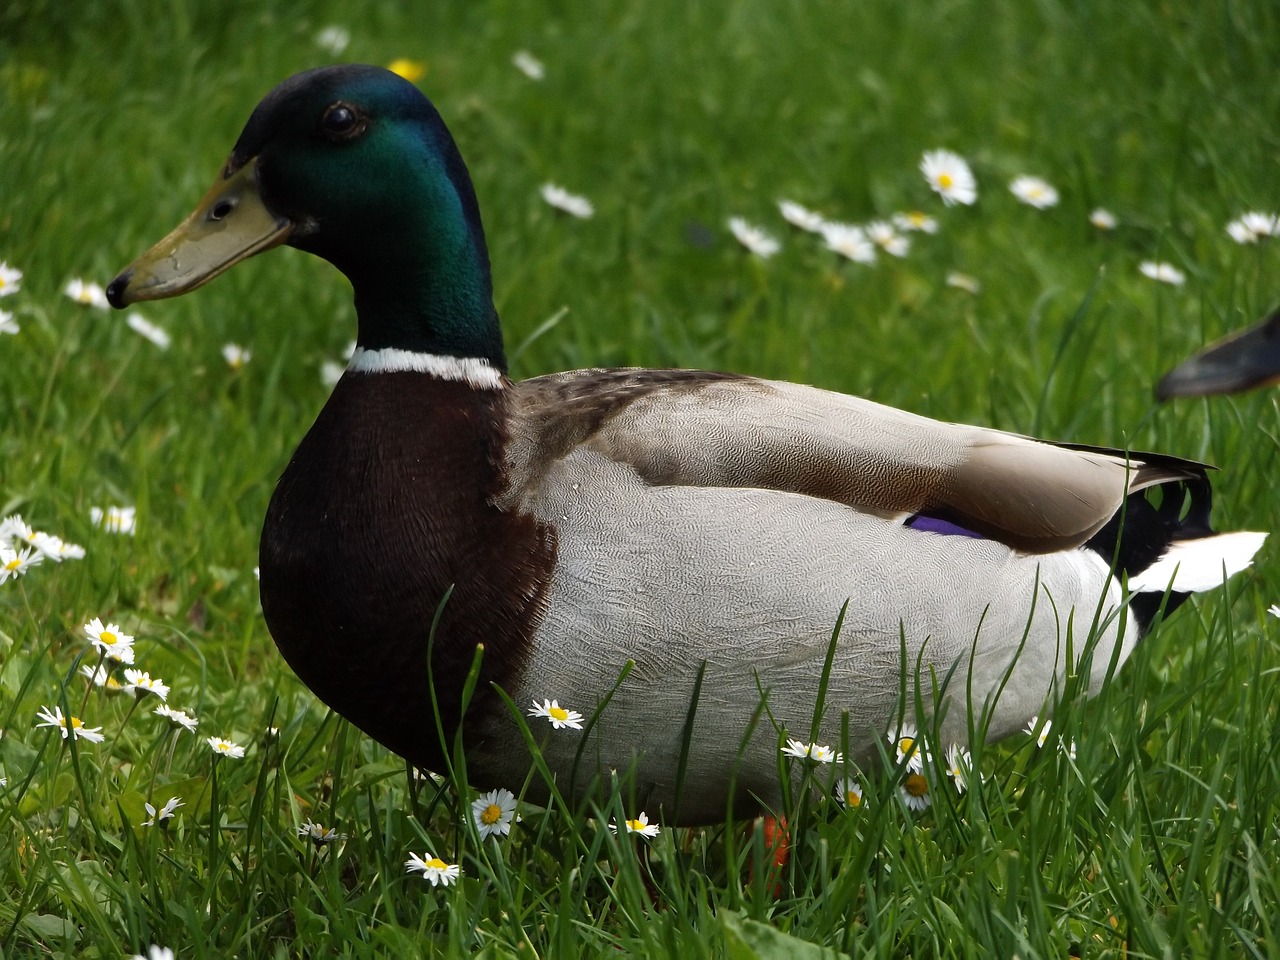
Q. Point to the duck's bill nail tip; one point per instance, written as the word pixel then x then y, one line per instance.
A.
pixel 116 290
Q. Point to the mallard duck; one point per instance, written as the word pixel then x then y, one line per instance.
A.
pixel 1244 360
pixel 705 528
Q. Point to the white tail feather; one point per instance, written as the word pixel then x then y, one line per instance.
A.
pixel 1190 566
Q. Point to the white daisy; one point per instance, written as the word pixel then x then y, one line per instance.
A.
pixel 801 217
pixel 155 952
pixel 640 825
pixel 178 718
pixel 959 763
pixel 331 372
pixel 817 752
pixel 493 813
pixel 333 39
pixel 528 64
pixel 164 813
pixel 1252 227
pixel 907 748
pixel 13 527
pixel 949 176
pixel 145 328
pixel 962 281
pixel 570 203
pixel 886 236
pixel 849 792
pixel 87 294
pixel 914 792
pixel 122 520
pixel 52 548
pixel 1262 224
pixel 236 355
pixel 1274 609
pixel 14 564
pixel 1103 219
pixel 113 642
pixel 558 715
pixel 434 870
pixel 100 676
pixel 1034 192
pixel 318 834
pixel 225 748
pixel 915 221
pixel 76 725
pixel 144 684
pixel 1034 728
pixel 753 238
pixel 1163 272
pixel 849 241
pixel 10 279
pixel 8 324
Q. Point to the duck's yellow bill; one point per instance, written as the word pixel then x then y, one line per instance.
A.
pixel 230 224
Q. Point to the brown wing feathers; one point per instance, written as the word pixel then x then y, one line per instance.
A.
pixel 695 428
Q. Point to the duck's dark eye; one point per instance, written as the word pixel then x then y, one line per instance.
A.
pixel 341 121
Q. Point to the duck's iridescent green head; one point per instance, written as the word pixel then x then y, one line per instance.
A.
pixel 355 165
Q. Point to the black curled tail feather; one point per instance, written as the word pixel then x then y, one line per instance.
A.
pixel 1144 528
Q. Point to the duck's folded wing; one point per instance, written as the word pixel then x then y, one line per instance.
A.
pixel 695 428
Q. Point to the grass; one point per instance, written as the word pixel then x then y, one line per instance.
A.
pixel 1159 839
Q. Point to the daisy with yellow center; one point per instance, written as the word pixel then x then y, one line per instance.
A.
pixel 178 718
pixel 122 520
pixel 849 793
pixel 493 812
pixel 558 715
pixel 1103 219
pixel 10 279
pixel 906 748
pixel 915 221
pixel 70 726
pixel 959 763
pixel 639 825
pixel 87 294
pixel 318 834
pixel 949 176
pixel 850 241
pixel 100 676
pixel 110 640
pixel 225 748
pixel 1034 192
pixel 55 548
pixel 144 684
pixel 236 355
pixel 434 870
pixel 14 564
pixel 915 792
pixel 886 236
pixel 817 752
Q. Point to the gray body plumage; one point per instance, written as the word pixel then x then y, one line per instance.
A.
pixel 695 569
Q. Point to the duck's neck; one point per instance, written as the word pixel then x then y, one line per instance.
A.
pixel 441 307
pixel 421 274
